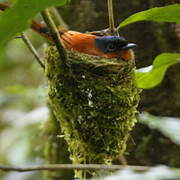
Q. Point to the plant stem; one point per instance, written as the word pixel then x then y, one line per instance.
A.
pixel 71 166
pixel 55 35
pixel 32 49
pixel 59 18
pixel 111 17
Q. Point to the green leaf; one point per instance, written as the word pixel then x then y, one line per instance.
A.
pixel 151 76
pixel 18 18
pixel 169 126
pixel 169 13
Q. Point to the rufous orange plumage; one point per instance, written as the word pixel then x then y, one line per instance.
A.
pixel 105 46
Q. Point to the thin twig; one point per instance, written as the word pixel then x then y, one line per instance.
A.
pixel 32 49
pixel 103 32
pixel 111 17
pixel 55 35
pixel 55 167
pixel 112 28
pixel 59 18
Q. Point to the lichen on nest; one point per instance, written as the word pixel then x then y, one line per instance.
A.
pixel 95 100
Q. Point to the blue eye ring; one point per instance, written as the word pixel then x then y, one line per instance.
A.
pixel 111 47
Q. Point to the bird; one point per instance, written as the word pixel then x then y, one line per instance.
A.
pixel 104 46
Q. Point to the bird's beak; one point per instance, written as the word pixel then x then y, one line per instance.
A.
pixel 129 46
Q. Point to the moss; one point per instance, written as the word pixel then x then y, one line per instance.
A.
pixel 95 100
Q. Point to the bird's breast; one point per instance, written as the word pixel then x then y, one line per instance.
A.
pixel 123 54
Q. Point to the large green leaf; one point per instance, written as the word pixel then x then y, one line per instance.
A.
pixel 18 18
pixel 169 13
pixel 151 76
pixel 169 126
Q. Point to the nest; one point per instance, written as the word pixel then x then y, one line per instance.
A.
pixel 95 100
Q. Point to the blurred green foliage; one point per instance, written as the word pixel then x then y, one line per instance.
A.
pixel 22 91
pixel 22 12
pixel 169 126
pixel 155 173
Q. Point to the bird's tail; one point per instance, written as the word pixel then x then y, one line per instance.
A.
pixel 3 6
pixel 41 29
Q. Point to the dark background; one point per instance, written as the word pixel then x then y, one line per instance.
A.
pixel 23 85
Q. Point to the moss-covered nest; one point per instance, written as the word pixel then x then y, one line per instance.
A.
pixel 95 100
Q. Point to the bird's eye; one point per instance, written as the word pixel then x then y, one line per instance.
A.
pixel 111 47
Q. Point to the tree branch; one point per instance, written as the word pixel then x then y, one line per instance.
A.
pixel 55 167
pixel 32 49
pixel 55 35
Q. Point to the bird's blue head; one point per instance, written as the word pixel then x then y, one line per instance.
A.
pixel 110 44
